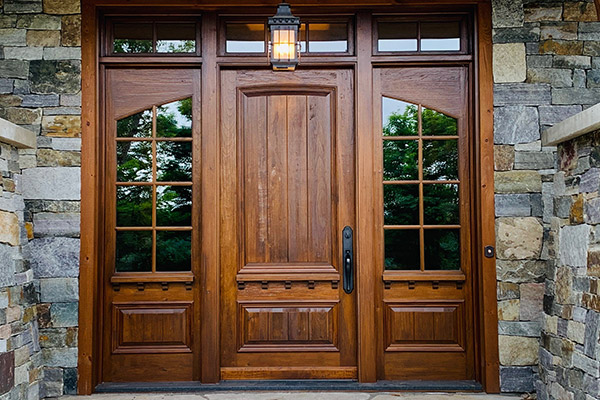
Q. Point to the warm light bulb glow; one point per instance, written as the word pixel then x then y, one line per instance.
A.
pixel 284 45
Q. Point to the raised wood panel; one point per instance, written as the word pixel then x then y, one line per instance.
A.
pixel 285 327
pixel 152 327
pixel 288 151
pixel 431 326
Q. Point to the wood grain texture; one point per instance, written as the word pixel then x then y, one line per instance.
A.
pixel 488 309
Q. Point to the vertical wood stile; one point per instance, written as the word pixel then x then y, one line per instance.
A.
pixel 365 235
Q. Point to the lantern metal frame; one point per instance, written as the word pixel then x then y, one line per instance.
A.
pixel 284 21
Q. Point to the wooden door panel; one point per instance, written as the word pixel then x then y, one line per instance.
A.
pixel 288 191
pixel 151 321
pixel 426 327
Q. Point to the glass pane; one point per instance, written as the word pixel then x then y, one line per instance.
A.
pixel 174 206
pixel 174 119
pixel 438 124
pixel 176 38
pixel 399 118
pixel 400 160
pixel 137 125
pixel 302 38
pixel 442 249
pixel 173 251
pixel 440 160
pixel 174 161
pixel 134 206
pixel 245 38
pixel 134 161
pixel 402 250
pixel 441 204
pixel 132 38
pixel 397 36
pixel 134 252
pixel 401 204
pixel 440 36
pixel 327 38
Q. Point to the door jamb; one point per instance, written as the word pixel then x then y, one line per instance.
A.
pixel 89 336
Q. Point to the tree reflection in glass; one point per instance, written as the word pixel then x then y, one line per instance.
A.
pixel 134 252
pixel 402 250
pixel 134 206
pixel 174 206
pixel 173 251
pixel 134 161
pixel 442 249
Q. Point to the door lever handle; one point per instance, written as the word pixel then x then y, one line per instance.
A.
pixel 348 264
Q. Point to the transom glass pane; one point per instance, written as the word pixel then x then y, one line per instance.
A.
pixel 244 38
pixel 397 36
pixel 132 38
pixel 440 36
pixel 175 38
pixel 327 38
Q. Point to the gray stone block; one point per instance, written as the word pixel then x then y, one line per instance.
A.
pixel 520 328
pixel 14 69
pixel 52 183
pixel 562 206
pixel 67 144
pixel 535 160
pixel 53 257
pixel 527 94
pixel 6 86
pixel 70 381
pixel 558 30
pixel 23 53
pixel 572 62
pixel 576 96
pixel 539 61
pixel 516 379
pixel 591 49
pixel 22 6
pixel 62 357
pixel 586 364
pixel 591 385
pixel 513 205
pixel 53 224
pixel 593 78
pixel 64 315
pixel 516 124
pixel 13 37
pixel 553 76
pixel 589 31
pixel 528 33
pixel 7 265
pixel 573 245
pixel 537 204
pixel 62 53
pixel 521 271
pixel 51 76
pixel 59 290
pixel 591 213
pixel 507 13
pixel 37 100
pixel 592 334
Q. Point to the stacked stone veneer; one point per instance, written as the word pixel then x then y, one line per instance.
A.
pixel 546 68
pixel 40 84
pixel 570 352
pixel 20 356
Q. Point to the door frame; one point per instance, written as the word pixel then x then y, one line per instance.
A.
pixel 90 329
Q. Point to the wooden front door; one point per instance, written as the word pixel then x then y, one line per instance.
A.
pixel 287 193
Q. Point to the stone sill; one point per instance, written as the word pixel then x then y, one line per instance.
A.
pixel 578 125
pixel 16 136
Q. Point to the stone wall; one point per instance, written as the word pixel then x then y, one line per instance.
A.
pixel 570 352
pixel 40 79
pixel 20 356
pixel 546 68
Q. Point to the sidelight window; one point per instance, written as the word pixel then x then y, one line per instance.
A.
pixel 421 195
pixel 154 189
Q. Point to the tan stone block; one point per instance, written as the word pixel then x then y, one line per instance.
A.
pixel 21 355
pixel 576 213
pixel 551 325
pixel 508 310
pixel 509 63
pixel 62 6
pixel 9 228
pixel 10 100
pixel 520 181
pixel 22 116
pixel 55 158
pixel 13 314
pixel 576 331
pixel 43 38
pixel 71 30
pixel 537 14
pixel 580 11
pixel 561 47
pixel 519 238
pixel 5 331
pixel 504 157
pixel 62 126
pixel 564 285
pixel 517 350
pixel 9 185
pixel 29 230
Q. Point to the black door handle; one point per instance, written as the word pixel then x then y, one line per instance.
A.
pixel 348 263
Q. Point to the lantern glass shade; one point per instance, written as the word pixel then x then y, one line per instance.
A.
pixel 284 47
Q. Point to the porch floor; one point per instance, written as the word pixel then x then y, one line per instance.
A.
pixel 300 395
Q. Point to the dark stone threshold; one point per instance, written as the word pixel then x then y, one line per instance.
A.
pixel 287 385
